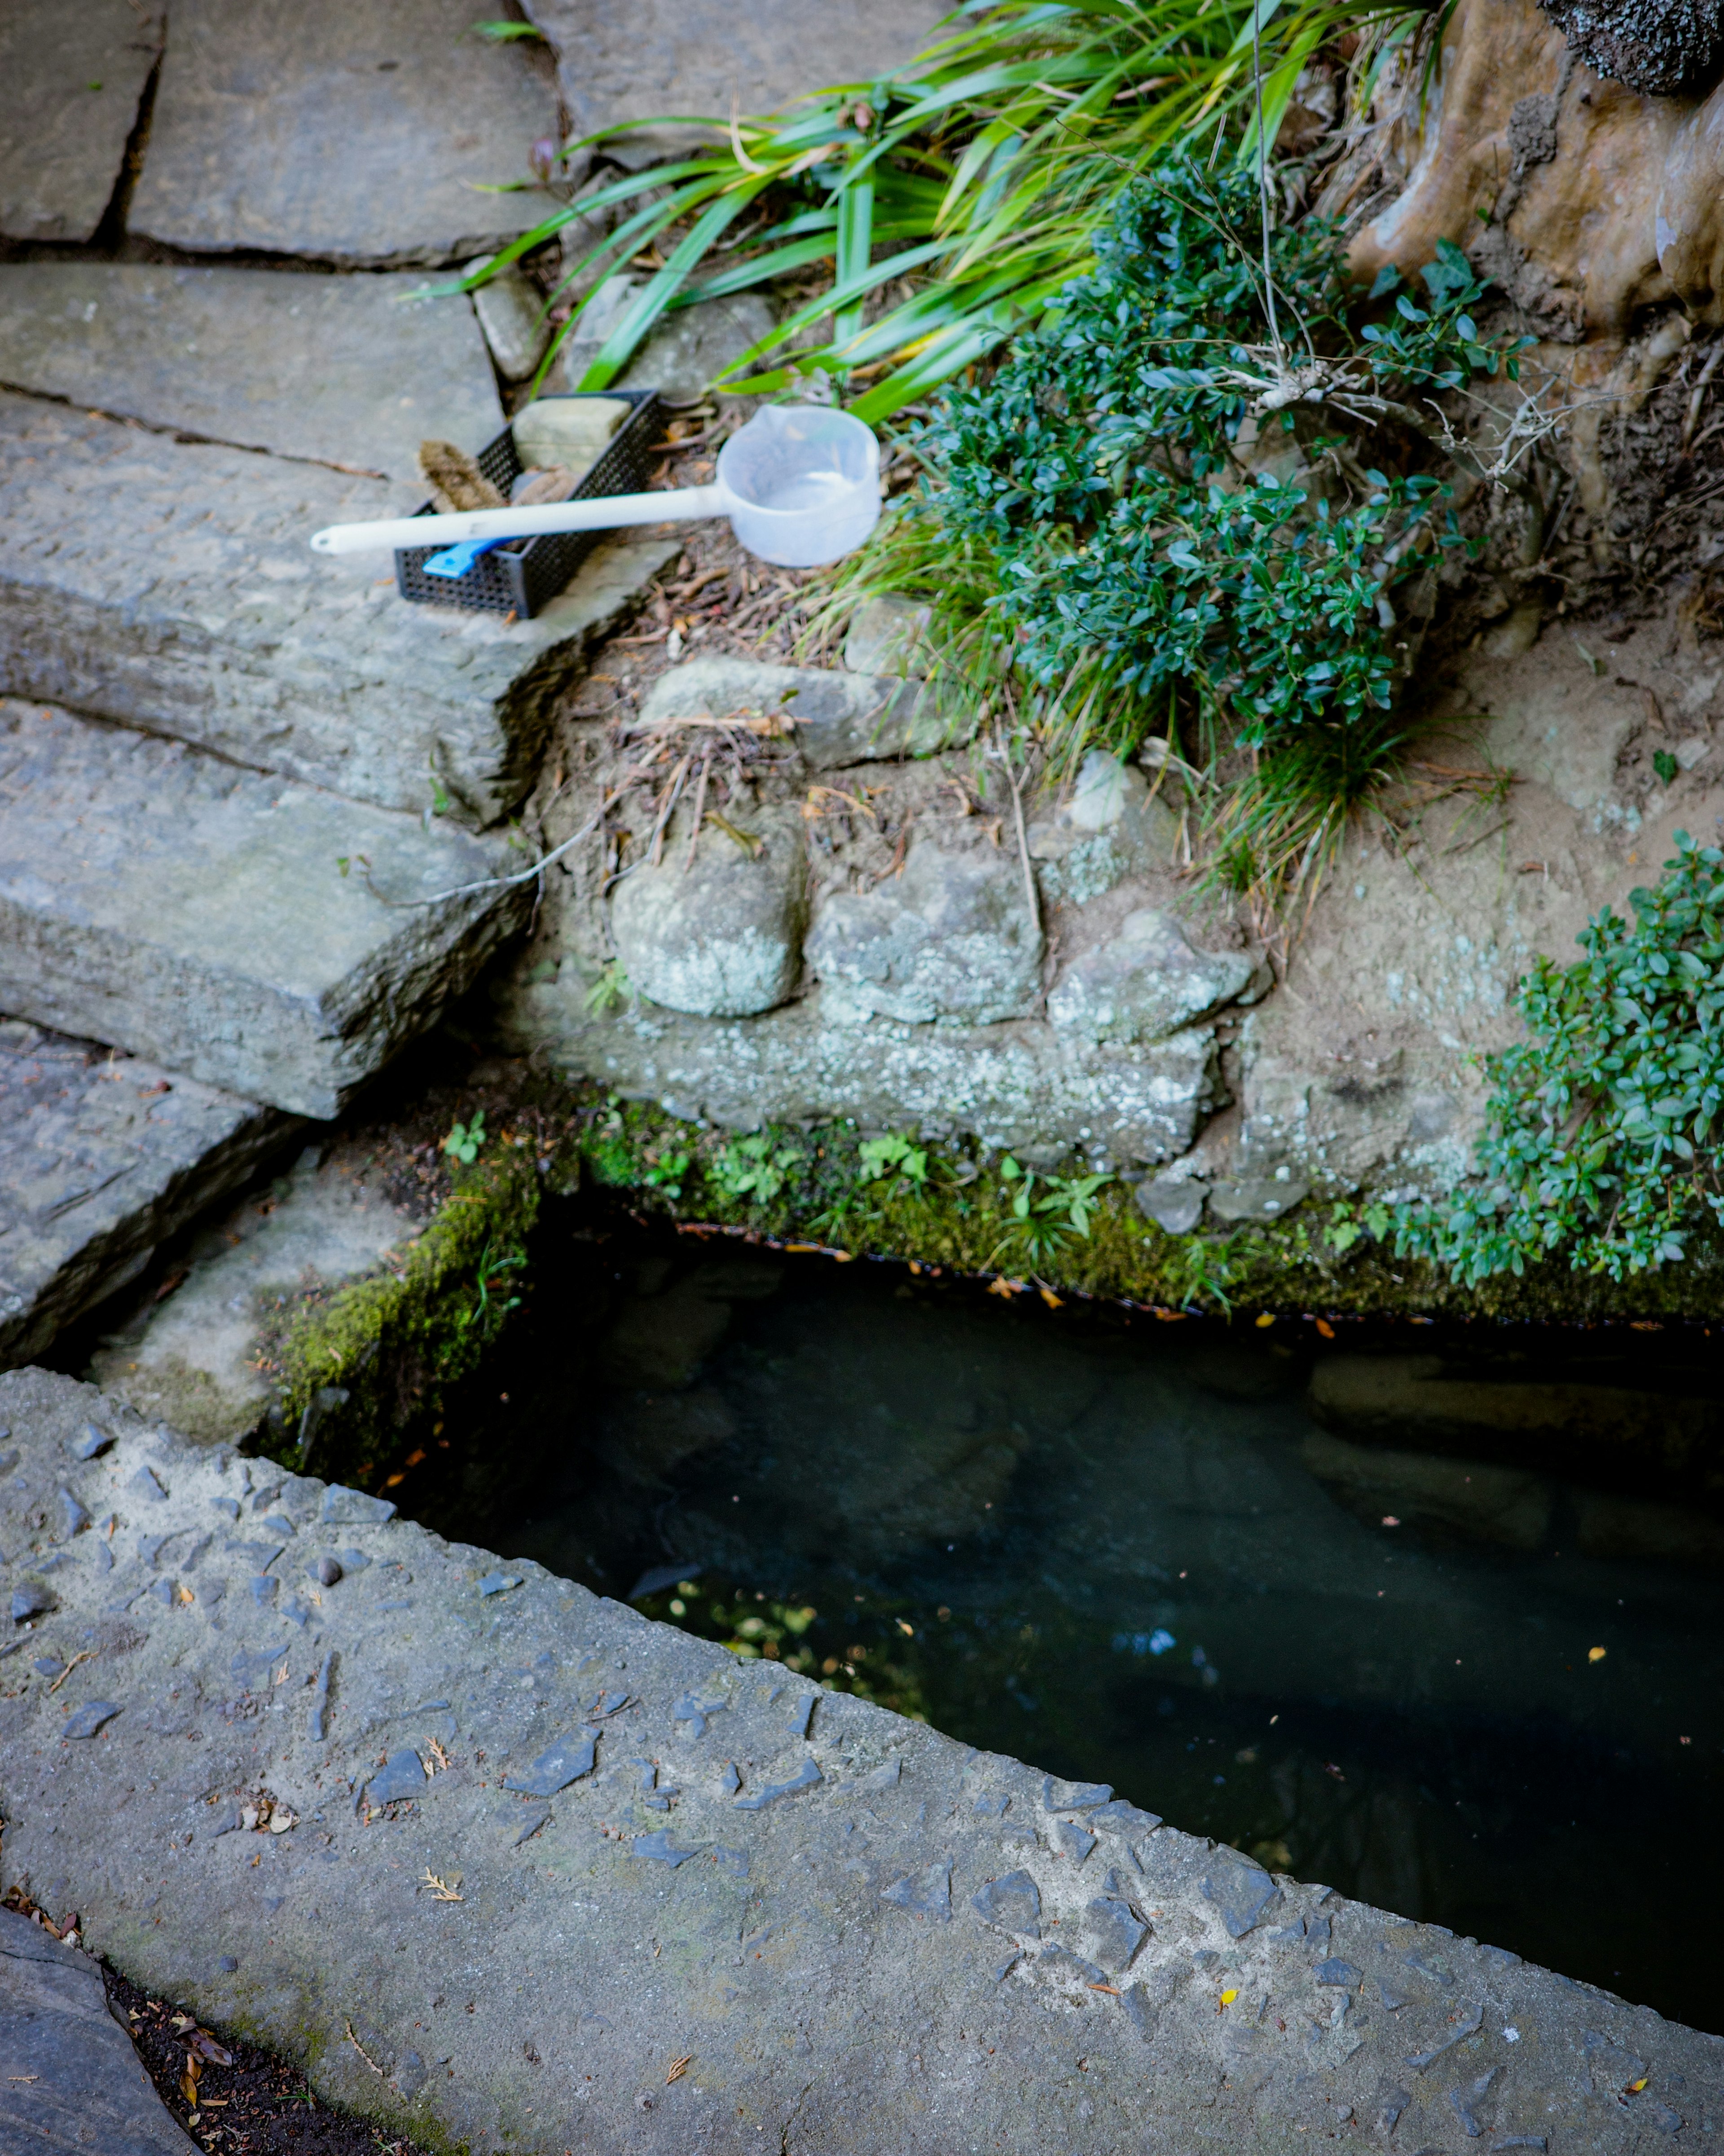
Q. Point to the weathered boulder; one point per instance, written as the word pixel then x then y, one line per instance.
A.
pixel 73 2079
pixel 336 368
pixel 70 79
pixel 362 136
pixel 719 936
pixel 1108 829
pixel 1146 981
pixel 951 939
pixel 260 935
pixel 102 1158
pixel 838 718
pixel 201 613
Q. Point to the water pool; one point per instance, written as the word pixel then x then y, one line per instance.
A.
pixel 1474 1677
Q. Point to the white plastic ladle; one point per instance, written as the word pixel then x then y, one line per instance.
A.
pixel 800 483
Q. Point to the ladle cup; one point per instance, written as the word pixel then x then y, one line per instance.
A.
pixel 800 483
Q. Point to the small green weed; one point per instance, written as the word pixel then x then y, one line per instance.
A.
pixel 465 1140
pixel 488 1308
pixel 665 1172
pixel 753 1168
pixel 1348 1225
pixel 882 1157
pixel 1040 1224
pixel 610 992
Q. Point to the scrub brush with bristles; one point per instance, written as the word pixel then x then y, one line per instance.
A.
pixel 455 480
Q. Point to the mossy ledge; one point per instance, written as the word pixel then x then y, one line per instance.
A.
pixel 362 1368
pixel 1324 1259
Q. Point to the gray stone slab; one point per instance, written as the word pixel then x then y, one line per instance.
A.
pixel 100 1158
pixel 817 1964
pixel 697 57
pixel 350 135
pixel 192 1356
pixel 176 906
pixel 70 80
pixel 172 585
pixel 73 2078
pixel 342 369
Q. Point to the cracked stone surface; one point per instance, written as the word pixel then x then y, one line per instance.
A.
pixel 336 368
pixel 358 136
pixel 694 57
pixel 630 1852
pixel 101 1156
pixel 170 586
pixel 1021 1084
pixel 68 2058
pixel 257 935
pixel 70 80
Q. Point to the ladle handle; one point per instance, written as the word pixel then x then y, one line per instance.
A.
pixel 603 512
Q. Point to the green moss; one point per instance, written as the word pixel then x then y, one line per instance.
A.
pixel 1335 1259
pixel 393 1343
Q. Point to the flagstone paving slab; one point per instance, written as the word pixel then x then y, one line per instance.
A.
pixel 558 1876
pixel 71 82
pixel 73 2077
pixel 101 1158
pixel 171 585
pixel 346 370
pixel 683 58
pixel 361 135
pixel 257 935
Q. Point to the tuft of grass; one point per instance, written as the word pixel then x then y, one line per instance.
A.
pixel 934 211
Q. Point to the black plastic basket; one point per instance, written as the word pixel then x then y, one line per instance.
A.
pixel 521 577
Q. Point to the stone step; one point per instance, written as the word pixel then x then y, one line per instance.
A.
pixel 191 1354
pixel 359 136
pixel 171 585
pixel 898 1897
pixel 259 935
pixel 340 369
pixel 101 1158
pixel 70 80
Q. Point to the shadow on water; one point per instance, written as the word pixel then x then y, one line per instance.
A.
pixel 1368 1652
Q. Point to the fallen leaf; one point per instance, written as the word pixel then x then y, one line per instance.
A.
pixel 442 1890
pixel 1635 2087
pixel 1229 1997
pixel 1326 1328
pixel 1052 1300
pixel 1111 1987
pixel 678 2067
pixel 206 2046
pixel 1595 1654
pixel 1267 1317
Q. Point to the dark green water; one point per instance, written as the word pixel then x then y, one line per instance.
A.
pixel 1125 1551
